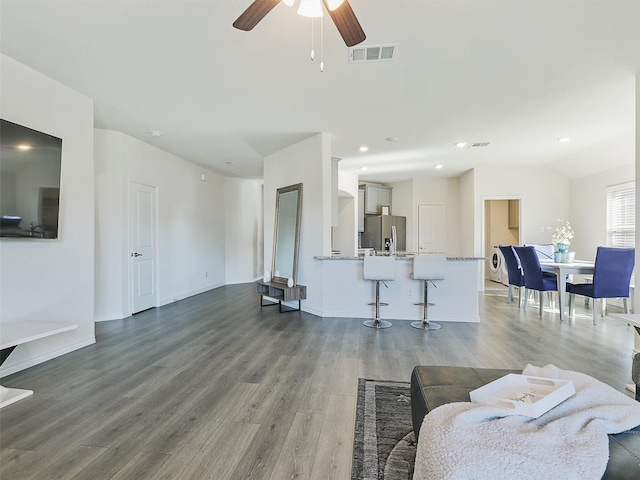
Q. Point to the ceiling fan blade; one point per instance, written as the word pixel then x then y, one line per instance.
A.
pixel 346 23
pixel 252 15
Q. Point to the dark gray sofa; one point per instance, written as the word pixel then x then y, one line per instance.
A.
pixel 433 386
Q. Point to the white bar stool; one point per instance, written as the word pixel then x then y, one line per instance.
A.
pixel 428 268
pixel 379 269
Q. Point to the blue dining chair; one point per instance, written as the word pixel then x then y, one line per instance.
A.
pixel 611 278
pixel 534 279
pixel 514 271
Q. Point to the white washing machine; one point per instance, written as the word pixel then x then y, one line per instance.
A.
pixel 497 267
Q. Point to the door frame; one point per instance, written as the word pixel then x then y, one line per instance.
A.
pixel 483 225
pixel 130 263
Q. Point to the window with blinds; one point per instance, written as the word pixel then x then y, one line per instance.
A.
pixel 621 215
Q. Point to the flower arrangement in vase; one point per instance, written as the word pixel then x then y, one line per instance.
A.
pixel 562 236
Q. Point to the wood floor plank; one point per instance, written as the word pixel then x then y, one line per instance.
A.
pixel 316 395
pixel 212 426
pixel 217 462
pixel 74 460
pixel 296 457
pixel 16 463
pixel 333 456
pixel 143 465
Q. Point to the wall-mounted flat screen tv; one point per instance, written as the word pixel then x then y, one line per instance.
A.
pixel 30 166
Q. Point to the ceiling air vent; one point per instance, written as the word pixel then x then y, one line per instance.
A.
pixel 479 144
pixel 373 53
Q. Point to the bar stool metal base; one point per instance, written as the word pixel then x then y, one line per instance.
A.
pixel 425 324
pixel 377 323
pixel 422 325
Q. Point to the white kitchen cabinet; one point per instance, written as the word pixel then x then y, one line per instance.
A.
pixel 375 197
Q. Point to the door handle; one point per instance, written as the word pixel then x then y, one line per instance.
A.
pixel 136 254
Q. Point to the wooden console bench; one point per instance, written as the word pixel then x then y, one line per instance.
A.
pixel 17 333
pixel 281 292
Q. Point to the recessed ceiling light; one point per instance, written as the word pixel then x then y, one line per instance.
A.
pixel 363 148
pixel 155 133
pixel 362 169
pixel 24 147
pixel 392 139
pixel 439 166
pixel 564 139
pixel 461 144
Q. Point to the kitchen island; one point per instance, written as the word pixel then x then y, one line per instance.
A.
pixel 345 293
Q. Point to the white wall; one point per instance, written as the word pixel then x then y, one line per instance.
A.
pixel 469 211
pixel 345 235
pixel 544 198
pixel 112 273
pixel 52 280
pixel 191 243
pixel 588 213
pixel 244 245
pixel 307 162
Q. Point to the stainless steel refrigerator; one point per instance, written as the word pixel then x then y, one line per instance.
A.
pixel 378 232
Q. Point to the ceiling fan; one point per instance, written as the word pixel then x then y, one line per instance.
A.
pixel 339 10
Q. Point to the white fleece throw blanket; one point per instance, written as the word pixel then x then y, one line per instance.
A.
pixel 465 441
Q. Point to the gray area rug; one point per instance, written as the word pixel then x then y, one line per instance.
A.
pixel 385 446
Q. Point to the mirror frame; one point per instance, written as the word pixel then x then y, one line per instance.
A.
pixel 296 246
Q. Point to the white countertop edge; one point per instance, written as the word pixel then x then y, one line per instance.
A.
pixel 408 257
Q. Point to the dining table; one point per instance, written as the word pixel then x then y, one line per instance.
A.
pixel 563 270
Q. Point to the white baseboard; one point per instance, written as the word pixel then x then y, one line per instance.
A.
pixel 46 356
pixel 111 319
pixel 167 301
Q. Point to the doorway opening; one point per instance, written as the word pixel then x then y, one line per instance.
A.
pixel 501 227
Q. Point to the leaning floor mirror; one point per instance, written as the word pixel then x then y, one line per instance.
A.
pixel 286 241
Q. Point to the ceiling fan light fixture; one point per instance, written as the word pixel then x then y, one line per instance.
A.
pixel 310 8
pixel 340 11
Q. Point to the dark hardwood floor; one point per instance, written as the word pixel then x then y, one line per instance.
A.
pixel 215 387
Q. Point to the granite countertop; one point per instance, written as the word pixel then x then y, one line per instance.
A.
pixel 402 256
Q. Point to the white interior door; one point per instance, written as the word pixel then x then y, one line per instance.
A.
pixel 143 215
pixel 431 228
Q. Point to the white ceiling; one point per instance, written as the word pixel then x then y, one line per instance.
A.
pixel 518 74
